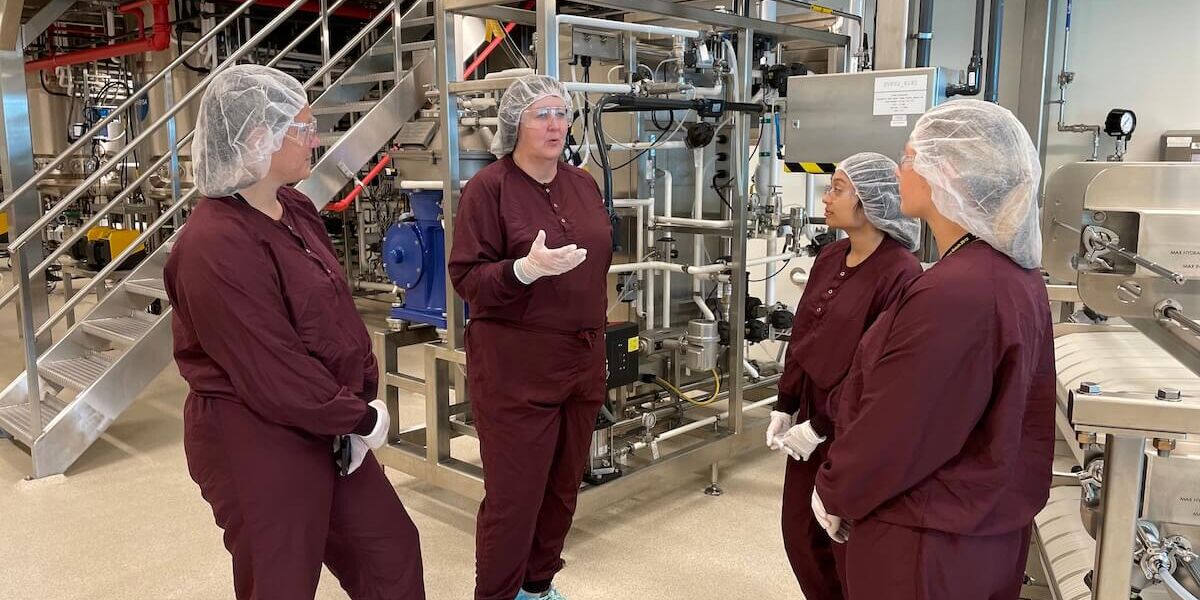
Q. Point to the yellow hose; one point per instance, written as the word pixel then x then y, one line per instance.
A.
pixel 705 402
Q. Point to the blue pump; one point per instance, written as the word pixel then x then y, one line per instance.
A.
pixel 414 255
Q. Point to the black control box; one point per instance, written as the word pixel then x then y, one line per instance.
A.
pixel 621 344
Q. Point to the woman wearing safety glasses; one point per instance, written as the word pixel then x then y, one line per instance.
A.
pixel 279 363
pixel 532 247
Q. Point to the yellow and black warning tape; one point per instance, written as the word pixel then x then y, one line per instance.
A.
pixel 810 167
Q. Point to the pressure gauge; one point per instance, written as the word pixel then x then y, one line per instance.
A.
pixel 1120 123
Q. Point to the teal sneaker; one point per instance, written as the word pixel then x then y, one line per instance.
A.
pixel 551 594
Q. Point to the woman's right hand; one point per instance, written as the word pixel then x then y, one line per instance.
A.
pixel 547 262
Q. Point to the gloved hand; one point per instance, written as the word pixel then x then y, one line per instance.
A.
pixel 800 441
pixel 780 423
pixel 383 421
pixel 358 453
pixel 360 445
pixel 547 262
pixel 837 530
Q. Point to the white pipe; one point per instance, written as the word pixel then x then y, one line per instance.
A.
pixel 703 223
pixel 750 370
pixel 698 298
pixel 668 209
pixel 762 260
pixel 709 92
pixel 623 26
pixel 731 58
pixel 672 145
pixel 702 423
pixel 414 184
pixel 698 240
pixel 639 207
pixel 632 202
pixel 772 247
pixel 480 121
pixel 516 72
pixel 599 88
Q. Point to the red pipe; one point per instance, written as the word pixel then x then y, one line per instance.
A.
pixel 348 11
pixel 159 39
pixel 488 50
pixel 344 203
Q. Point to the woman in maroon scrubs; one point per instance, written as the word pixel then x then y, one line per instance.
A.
pixel 852 281
pixel 945 423
pixel 278 362
pixel 532 247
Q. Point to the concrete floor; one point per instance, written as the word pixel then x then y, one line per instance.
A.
pixel 127 522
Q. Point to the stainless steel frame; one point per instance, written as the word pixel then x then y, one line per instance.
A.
pixel 425 451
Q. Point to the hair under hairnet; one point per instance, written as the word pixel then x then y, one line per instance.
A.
pixel 522 93
pixel 984 172
pixel 874 179
pixel 244 115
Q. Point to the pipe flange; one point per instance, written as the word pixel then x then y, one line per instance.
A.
pixel 1160 309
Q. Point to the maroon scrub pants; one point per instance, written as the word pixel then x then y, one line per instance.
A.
pixel 902 563
pixel 535 397
pixel 815 558
pixel 285 511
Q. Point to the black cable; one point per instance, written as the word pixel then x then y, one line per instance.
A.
pixel 42 79
pixel 717 189
pixel 670 124
pixel 772 275
pixel 179 36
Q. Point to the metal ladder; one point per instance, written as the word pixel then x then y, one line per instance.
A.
pixel 83 382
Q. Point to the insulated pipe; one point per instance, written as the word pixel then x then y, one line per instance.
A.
pixel 375 286
pixel 673 145
pixel 599 88
pixel 632 202
pixel 158 40
pixel 702 423
pixel 697 240
pixel 479 121
pixel 422 184
pixel 702 223
pixel 668 210
pixel 623 26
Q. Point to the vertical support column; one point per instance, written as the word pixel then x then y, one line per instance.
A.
pixel 1121 499
pixel 1037 66
pixel 737 308
pixel 328 79
pixel 437 409
pixel 172 143
pixel 891 34
pixel 16 162
pixel 449 70
pixel 385 354
pixel 547 42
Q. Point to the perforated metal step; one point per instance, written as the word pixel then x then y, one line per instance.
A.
pixel 15 419
pixel 76 373
pixel 125 330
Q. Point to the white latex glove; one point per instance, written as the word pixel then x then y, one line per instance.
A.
pixel 780 423
pixel 547 262
pixel 837 530
pixel 358 453
pixel 378 436
pixel 800 441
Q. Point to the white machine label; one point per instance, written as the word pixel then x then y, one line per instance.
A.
pixel 899 120
pixel 903 95
pixel 1178 142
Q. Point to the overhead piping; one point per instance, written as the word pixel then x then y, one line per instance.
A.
pixel 159 39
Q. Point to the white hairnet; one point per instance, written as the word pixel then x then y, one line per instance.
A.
pixel 874 179
pixel 522 93
pixel 984 172
pixel 244 115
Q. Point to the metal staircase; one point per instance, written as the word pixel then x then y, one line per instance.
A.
pixel 86 379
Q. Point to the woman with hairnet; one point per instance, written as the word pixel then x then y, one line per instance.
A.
pixel 278 362
pixel 945 423
pixel 852 281
pixel 532 247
